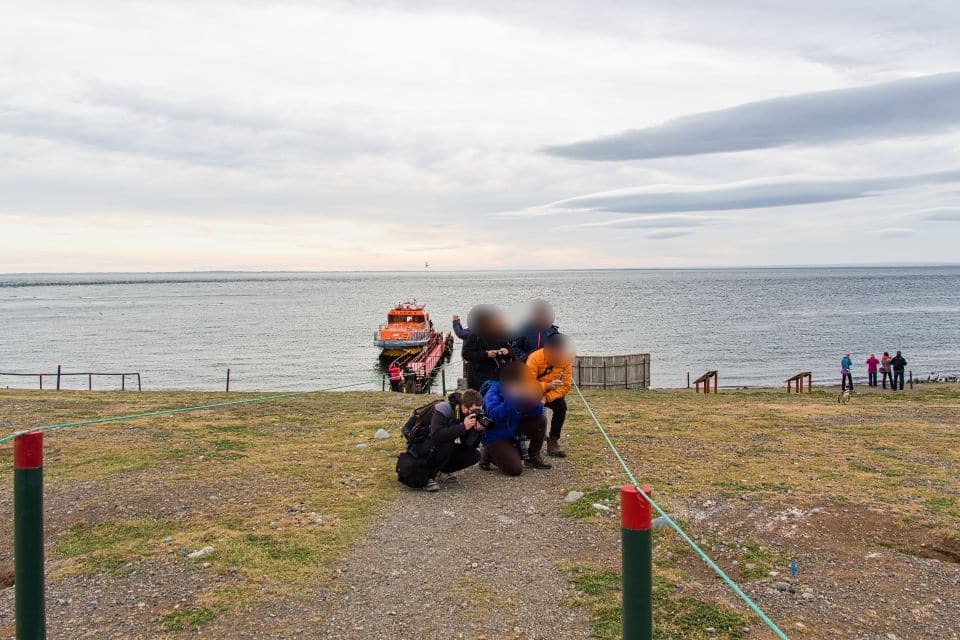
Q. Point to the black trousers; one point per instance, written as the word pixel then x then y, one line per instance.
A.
pixel 559 408
pixel 873 378
pixel 897 377
pixel 844 378
pixel 887 376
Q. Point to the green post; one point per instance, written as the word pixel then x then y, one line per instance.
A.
pixel 636 521
pixel 28 536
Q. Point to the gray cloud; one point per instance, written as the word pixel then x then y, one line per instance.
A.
pixel 949 214
pixel 125 120
pixel 670 221
pixel 747 195
pixel 908 107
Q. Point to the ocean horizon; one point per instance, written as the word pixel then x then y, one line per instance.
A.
pixel 292 330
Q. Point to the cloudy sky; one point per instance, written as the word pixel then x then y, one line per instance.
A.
pixel 207 134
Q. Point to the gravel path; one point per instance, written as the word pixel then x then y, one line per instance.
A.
pixel 488 565
pixel 482 559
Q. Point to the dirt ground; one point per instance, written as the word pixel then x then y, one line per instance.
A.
pixel 313 538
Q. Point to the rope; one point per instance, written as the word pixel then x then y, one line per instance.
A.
pixel 202 407
pixel 683 534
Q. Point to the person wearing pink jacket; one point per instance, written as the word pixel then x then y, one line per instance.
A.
pixel 872 364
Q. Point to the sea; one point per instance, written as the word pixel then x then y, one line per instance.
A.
pixel 301 331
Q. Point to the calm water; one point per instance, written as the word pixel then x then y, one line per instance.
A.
pixel 302 331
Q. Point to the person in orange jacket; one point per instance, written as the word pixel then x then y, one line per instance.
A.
pixel 553 368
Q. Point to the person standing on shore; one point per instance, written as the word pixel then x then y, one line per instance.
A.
pixel 845 376
pixel 885 369
pixel 872 363
pixel 899 363
pixel 396 376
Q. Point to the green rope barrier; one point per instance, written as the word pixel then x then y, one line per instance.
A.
pixel 164 412
pixel 203 407
pixel 683 534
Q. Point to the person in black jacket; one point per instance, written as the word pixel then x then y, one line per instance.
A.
pixel 487 348
pixel 898 363
pixel 451 445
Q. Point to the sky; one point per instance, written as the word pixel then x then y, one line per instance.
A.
pixel 143 135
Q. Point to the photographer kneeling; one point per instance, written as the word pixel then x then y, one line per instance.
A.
pixel 443 436
pixel 514 405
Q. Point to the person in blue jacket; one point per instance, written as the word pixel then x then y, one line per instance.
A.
pixel 514 405
pixel 846 363
pixel 535 332
pixel 462 332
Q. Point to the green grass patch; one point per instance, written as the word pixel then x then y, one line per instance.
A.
pixel 186 619
pixel 108 546
pixel 675 617
pixel 761 560
pixel 583 508
pixel 947 505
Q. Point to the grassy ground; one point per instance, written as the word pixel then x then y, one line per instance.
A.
pixel 278 489
pixel 281 489
pixel 760 478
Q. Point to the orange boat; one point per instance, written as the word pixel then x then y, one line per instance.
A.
pixel 408 329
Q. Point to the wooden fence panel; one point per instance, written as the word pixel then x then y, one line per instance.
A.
pixel 613 372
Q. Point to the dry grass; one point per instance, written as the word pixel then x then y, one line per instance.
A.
pixel 279 489
pixel 900 451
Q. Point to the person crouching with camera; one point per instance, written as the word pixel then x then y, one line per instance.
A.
pixel 514 405
pixel 443 437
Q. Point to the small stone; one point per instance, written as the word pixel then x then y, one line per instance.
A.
pixel 711 630
pixel 781 586
pixel 661 522
pixel 381 434
pixel 200 553
pixel 600 507
pixel 273 525
pixel 573 496
pixel 474 565
pixel 773 574
pixel 167 540
pixel 183 553
pixel 92 606
pixel 362 446
pixel 750 566
pixel 205 565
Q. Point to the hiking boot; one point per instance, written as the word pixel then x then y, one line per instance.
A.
pixel 523 449
pixel 553 448
pixel 537 462
pixel 447 478
pixel 431 486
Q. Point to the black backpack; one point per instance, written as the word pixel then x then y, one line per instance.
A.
pixel 417 427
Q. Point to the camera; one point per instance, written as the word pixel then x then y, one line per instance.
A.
pixel 483 419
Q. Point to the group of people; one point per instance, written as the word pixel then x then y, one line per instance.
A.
pixel 500 419
pixel 891 369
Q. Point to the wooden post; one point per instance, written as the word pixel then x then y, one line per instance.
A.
pixel 123 382
pixel 139 386
pixel 41 381
pixel 58 377
pixel 810 383
pixel 604 361
pixel 716 379
pixel 788 386
pixel 688 379
pixel 911 379
pixel 228 380
pixel 89 382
